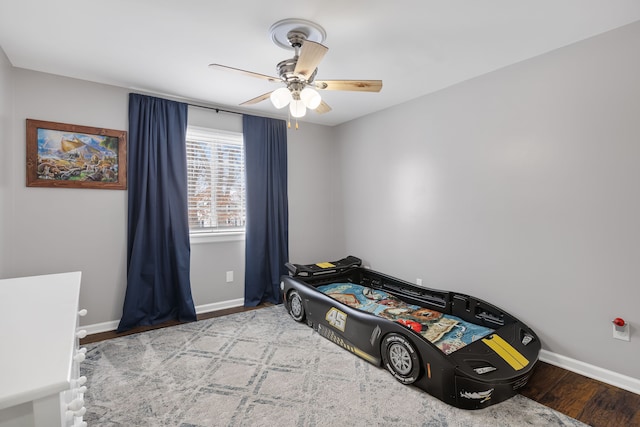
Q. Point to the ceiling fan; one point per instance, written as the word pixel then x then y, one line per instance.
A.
pixel 299 73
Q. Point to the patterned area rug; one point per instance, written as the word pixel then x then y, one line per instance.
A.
pixel 261 368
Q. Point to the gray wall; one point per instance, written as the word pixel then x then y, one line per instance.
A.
pixel 519 187
pixel 316 230
pixel 58 230
pixel 6 108
pixel 54 230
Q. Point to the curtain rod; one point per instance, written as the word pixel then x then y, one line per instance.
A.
pixel 222 110
pixel 216 109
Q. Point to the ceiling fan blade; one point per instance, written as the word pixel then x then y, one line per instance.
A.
pixel 311 53
pixel 257 99
pixel 353 85
pixel 323 108
pixel 245 72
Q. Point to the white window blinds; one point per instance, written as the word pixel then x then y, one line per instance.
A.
pixel 216 181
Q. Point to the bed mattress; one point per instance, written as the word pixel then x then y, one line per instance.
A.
pixel 448 333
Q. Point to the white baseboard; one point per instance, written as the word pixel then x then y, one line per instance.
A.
pixel 215 306
pixel 612 378
pixel 96 328
pixel 206 308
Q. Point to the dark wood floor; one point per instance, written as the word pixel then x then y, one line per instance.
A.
pixel 592 402
pixel 112 334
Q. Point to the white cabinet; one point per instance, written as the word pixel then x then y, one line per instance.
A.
pixel 40 384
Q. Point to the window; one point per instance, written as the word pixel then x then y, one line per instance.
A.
pixel 216 181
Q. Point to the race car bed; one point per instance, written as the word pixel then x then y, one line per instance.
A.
pixel 458 348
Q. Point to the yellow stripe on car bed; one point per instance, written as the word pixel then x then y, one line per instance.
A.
pixel 505 350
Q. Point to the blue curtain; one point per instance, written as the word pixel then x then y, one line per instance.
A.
pixel 158 248
pixel 267 228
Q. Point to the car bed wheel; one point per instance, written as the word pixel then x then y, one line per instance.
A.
pixel 400 358
pixel 296 309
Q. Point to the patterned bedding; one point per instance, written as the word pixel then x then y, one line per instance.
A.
pixel 448 333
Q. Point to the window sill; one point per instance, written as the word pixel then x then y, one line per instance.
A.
pixel 200 238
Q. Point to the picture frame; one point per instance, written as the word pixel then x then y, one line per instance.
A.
pixel 72 156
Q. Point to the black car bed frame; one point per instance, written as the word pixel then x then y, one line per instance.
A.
pixel 488 370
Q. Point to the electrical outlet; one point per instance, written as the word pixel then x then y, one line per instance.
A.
pixel 621 332
pixel 419 281
pixel 229 276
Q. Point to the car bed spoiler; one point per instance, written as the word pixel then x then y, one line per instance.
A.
pixel 321 268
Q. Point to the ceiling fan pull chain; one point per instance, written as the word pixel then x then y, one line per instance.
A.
pixel 289 122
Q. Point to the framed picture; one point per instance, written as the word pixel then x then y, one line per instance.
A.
pixel 73 156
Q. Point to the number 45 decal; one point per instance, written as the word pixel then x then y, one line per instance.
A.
pixel 336 318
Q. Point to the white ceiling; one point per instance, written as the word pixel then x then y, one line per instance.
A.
pixel 414 46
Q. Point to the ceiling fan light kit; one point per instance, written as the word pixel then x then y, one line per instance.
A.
pixel 311 98
pixel 298 73
pixel 297 108
pixel 280 98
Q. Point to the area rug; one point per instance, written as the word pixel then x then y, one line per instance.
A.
pixel 261 368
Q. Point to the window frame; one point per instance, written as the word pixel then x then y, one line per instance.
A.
pixel 204 134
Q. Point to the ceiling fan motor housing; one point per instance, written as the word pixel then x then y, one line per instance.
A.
pixel 286 70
